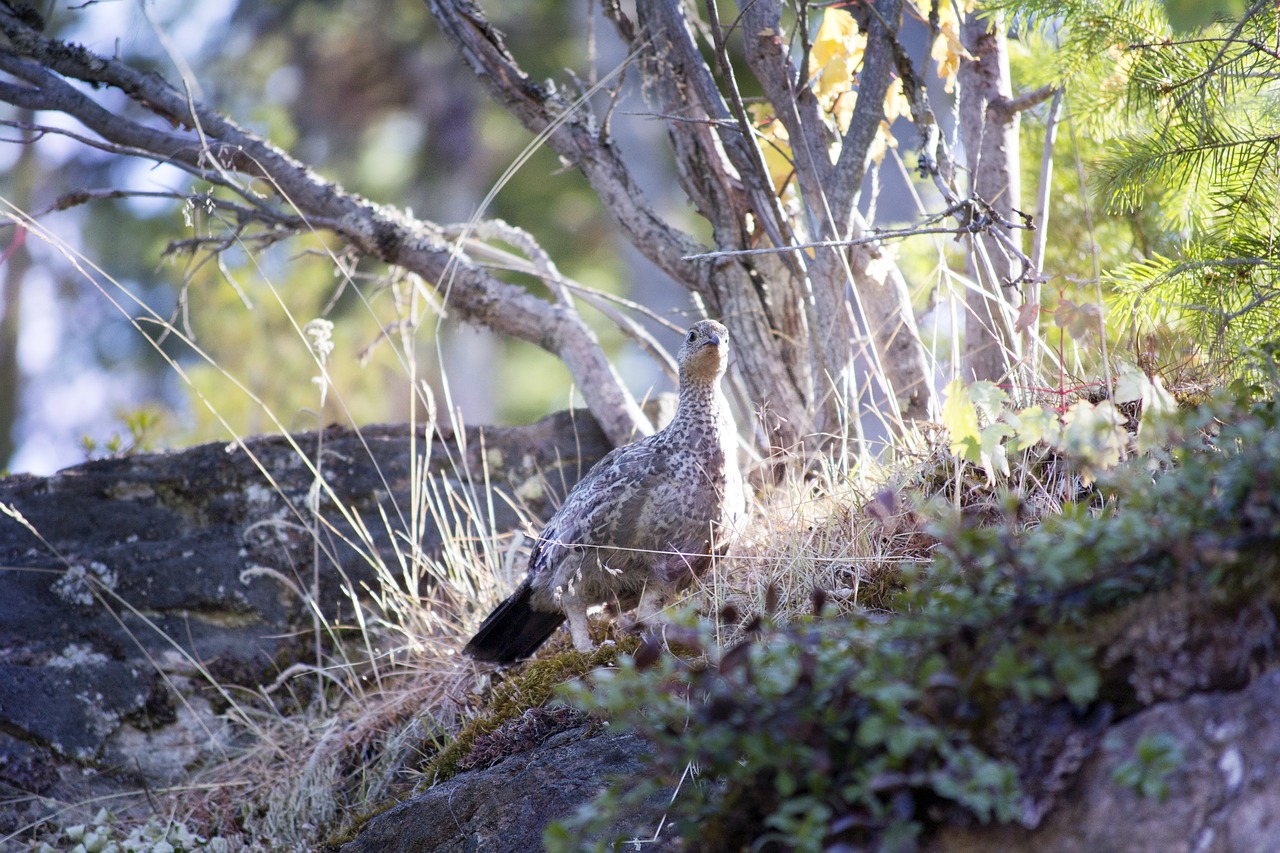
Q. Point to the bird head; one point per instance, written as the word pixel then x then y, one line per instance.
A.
pixel 704 355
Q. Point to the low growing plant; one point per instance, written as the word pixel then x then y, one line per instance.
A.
pixel 101 835
pixel 1001 665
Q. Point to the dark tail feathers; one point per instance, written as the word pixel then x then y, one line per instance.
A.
pixel 514 630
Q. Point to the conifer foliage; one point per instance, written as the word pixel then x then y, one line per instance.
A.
pixel 1189 120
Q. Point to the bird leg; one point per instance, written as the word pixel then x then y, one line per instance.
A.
pixel 652 600
pixel 575 610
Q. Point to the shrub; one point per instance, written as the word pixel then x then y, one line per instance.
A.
pixel 994 678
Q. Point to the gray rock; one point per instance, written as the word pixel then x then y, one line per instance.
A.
pixel 1224 797
pixel 73 706
pixel 170 569
pixel 164 753
pixel 503 808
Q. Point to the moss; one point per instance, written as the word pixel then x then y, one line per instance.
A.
pixel 531 686
pixel 356 825
pixel 528 686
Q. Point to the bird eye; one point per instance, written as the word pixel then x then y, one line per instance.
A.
pixel 692 336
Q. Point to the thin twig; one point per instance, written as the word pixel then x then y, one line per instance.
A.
pixel 963 211
pixel 1029 99
pixel 827 244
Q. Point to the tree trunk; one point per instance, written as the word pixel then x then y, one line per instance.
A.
pixel 989 132
pixel 16 265
pixel 802 317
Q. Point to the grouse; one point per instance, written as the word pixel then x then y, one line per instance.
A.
pixel 640 525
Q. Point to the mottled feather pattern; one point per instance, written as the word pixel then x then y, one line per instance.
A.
pixel 642 523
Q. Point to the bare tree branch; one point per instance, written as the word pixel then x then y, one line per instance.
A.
pixel 570 131
pixel 223 148
pixel 829 191
pixel 798 110
pixel 714 154
pixel 1028 100
pixel 775 224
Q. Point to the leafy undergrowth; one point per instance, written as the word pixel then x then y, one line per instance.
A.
pixel 973 636
pixel 936 640
pixel 1004 660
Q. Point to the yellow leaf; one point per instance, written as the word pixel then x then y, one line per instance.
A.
pixel 777 159
pixel 842 109
pixel 947 50
pixel 896 105
pixel 945 10
pixel 883 141
pixel 959 417
pixel 835 55
pixel 775 145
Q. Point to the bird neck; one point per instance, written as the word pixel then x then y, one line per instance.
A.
pixel 700 400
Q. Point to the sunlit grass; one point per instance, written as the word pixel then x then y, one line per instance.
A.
pixel 383 686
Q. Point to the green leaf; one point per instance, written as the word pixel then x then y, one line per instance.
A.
pixel 1094 435
pixel 988 397
pixel 1033 425
pixel 871 731
pixel 961 419
pixel 991 450
pixel 979 445
pixel 1080 680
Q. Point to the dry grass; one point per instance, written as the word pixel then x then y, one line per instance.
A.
pixel 843 538
pixel 384 689
pixel 391 683
pixel 395 690
pixel 387 699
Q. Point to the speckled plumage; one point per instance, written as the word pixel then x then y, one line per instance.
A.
pixel 640 525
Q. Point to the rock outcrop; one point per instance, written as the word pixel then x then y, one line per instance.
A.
pixel 504 808
pixel 1222 795
pixel 130 584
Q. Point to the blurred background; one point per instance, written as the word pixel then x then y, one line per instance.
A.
pixel 371 95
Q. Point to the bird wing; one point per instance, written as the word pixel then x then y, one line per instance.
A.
pixel 602 508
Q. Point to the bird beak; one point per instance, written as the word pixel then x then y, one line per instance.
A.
pixel 713 339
